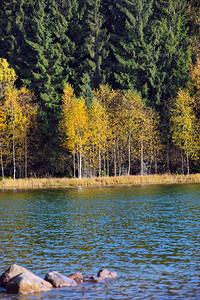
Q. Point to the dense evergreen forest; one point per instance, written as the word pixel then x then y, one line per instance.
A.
pixel 99 88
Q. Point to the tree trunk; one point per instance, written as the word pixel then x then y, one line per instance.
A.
pixel 26 156
pixel 142 157
pixel 119 158
pixel 168 157
pixel 188 162
pixel 115 163
pixel 13 140
pixel 108 164
pixel 80 164
pixel 14 163
pixel 129 154
pixel 2 167
pixel 104 163
pixel 182 163
pixel 74 162
pixel 99 160
pixel 93 158
pixel 156 166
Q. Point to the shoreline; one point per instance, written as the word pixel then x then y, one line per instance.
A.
pixel 132 180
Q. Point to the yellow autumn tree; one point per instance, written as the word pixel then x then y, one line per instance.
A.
pixel 7 76
pixel 74 125
pixel 98 134
pixel 112 102
pixel 17 116
pixel 28 110
pixel 68 95
pixel 149 139
pixel 184 126
pixel 132 115
pixel 141 132
pixel 14 120
pixel 7 80
pixel 3 139
pixel 194 86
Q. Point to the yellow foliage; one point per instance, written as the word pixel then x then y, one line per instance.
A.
pixel 194 86
pixel 75 124
pixel 68 96
pixel 98 123
pixel 184 124
pixel 7 76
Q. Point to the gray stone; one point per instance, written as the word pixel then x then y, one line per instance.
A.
pixel 105 274
pixel 27 282
pixel 11 272
pixel 59 280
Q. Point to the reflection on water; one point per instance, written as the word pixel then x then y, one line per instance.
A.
pixel 149 235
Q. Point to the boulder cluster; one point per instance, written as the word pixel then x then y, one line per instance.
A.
pixel 19 280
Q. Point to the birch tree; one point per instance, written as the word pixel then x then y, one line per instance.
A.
pixel 184 126
pixel 14 119
pixel 74 125
pixel 99 131
pixel 29 113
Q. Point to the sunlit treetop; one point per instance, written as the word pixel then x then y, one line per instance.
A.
pixel 7 74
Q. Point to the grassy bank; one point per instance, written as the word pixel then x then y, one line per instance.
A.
pixel 37 183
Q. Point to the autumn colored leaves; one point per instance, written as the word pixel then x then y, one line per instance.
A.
pixel 17 117
pixel 107 132
pixel 113 128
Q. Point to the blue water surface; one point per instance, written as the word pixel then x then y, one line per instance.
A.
pixel 149 235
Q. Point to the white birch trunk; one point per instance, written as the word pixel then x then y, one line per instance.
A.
pixel 2 167
pixel 26 154
pixel 74 163
pixel 115 163
pixel 129 154
pixel 108 164
pixel 99 160
pixel 188 162
pixel 80 164
pixel 142 157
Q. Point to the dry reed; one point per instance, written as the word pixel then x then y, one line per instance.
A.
pixel 39 183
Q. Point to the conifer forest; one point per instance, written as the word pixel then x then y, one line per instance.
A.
pixel 99 88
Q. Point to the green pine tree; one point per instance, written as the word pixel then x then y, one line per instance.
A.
pixel 175 54
pixel 13 24
pixel 51 51
pixel 193 7
pixel 96 43
pixel 134 52
pixel 114 23
pixel 76 12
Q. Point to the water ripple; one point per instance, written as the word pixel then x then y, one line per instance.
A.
pixel 148 235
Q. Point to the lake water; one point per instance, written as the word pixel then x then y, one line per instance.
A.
pixel 149 235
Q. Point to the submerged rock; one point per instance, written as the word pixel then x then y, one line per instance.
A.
pixel 27 282
pixel 106 274
pixel 77 276
pixel 93 279
pixel 11 272
pixel 59 280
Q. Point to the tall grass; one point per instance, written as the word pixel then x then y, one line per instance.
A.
pixel 39 183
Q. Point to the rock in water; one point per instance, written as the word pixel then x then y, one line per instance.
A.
pixel 77 276
pixel 11 272
pixel 105 274
pixel 59 280
pixel 27 282
pixel 93 279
